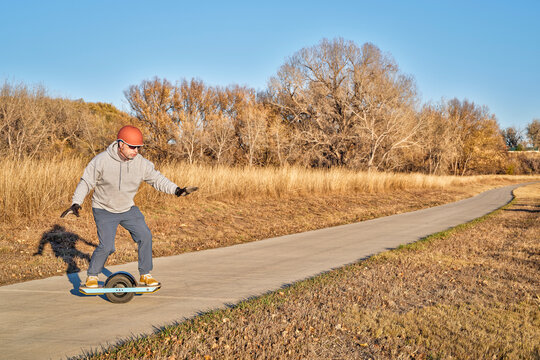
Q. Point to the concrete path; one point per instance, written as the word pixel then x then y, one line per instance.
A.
pixel 49 319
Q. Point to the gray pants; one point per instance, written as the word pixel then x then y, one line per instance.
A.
pixel 107 223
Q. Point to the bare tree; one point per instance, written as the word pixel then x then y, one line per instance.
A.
pixel 512 137
pixel 350 104
pixel 437 136
pixel 285 141
pixel 220 130
pixel 533 132
pixel 37 126
pixel 190 113
pixel 23 125
pixel 251 126
pixel 310 91
pixel 152 103
pixel 478 141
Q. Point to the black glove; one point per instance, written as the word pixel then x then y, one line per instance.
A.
pixel 74 209
pixel 185 191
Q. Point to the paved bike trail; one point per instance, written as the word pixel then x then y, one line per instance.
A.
pixel 49 319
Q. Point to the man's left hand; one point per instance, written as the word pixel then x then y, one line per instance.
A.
pixel 185 191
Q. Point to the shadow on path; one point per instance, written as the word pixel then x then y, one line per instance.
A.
pixel 64 245
pixel 528 208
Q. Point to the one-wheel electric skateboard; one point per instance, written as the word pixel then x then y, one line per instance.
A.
pixel 120 288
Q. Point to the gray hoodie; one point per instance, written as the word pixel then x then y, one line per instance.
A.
pixel 115 181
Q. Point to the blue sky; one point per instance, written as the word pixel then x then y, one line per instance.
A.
pixel 484 51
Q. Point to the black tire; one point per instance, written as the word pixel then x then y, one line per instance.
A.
pixel 119 281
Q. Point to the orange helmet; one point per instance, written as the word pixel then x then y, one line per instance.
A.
pixel 130 135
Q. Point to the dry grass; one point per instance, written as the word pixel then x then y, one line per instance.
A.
pixel 470 293
pixel 233 206
pixel 30 188
pixel 49 246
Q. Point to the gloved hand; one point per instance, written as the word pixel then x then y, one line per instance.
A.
pixel 185 191
pixel 74 209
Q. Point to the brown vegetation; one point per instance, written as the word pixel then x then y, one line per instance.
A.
pixel 523 162
pixel 33 125
pixel 470 293
pixel 347 105
pixel 533 132
pixel 261 161
pixel 332 104
pixel 459 138
pixel 233 205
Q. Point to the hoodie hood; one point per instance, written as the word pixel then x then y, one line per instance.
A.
pixel 112 150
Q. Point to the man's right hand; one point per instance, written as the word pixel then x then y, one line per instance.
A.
pixel 74 209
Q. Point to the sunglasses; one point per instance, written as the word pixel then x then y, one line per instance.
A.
pixel 132 147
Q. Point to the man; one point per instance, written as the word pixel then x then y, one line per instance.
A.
pixel 115 175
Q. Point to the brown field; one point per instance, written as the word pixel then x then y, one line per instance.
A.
pixel 469 293
pixel 233 206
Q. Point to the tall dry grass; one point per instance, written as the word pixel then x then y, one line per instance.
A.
pixel 270 182
pixel 32 187
pixel 29 187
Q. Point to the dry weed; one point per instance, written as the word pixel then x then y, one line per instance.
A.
pixel 472 293
pixel 51 246
pixel 31 188
pixel 233 205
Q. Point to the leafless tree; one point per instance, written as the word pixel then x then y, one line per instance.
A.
pixel 437 137
pixel 478 141
pixel 350 104
pixel 35 125
pixel 220 129
pixel 190 113
pixel 383 102
pixel 152 103
pixel 533 132
pixel 251 125
pixel 512 137
pixel 23 129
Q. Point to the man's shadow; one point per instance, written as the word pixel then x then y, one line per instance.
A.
pixel 63 244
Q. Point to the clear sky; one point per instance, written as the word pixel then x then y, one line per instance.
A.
pixel 484 51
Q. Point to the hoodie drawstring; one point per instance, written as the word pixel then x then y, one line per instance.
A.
pixel 120 179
